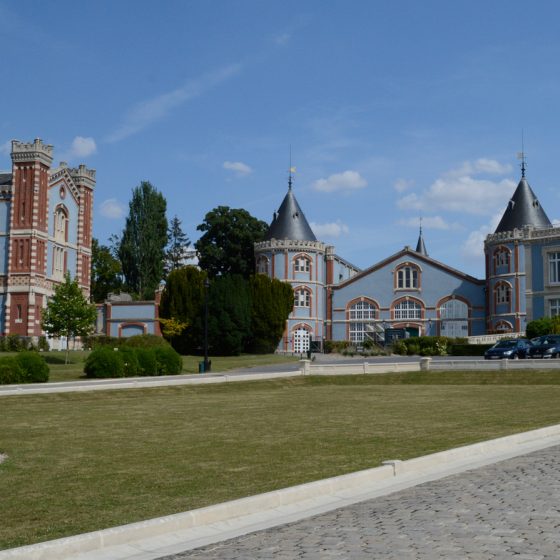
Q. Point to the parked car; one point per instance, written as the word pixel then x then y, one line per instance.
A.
pixel 547 346
pixel 512 349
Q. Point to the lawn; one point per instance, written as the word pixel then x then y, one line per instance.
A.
pixel 84 461
pixel 74 370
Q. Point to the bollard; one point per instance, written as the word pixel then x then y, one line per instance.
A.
pixel 425 363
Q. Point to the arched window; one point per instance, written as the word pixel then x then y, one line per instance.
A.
pixel 502 293
pixel 262 265
pixel 61 224
pixel 302 297
pixel 408 277
pixel 502 256
pixel 407 309
pixel 302 264
pixel 362 315
pixel 503 327
pixel 454 315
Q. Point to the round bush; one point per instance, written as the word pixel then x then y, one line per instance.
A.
pixel 147 341
pixel 34 367
pixel 130 361
pixel 10 371
pixel 169 362
pixel 104 362
pixel 147 362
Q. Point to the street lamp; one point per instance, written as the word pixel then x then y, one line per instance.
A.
pixel 206 361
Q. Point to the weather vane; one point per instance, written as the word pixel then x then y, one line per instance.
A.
pixel 522 157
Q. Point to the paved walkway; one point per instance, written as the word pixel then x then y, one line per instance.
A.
pixel 509 510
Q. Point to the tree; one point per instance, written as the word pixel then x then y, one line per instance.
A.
pixel 178 245
pixel 271 303
pixel 226 247
pixel 105 272
pixel 183 300
pixel 68 314
pixel 229 317
pixel 142 245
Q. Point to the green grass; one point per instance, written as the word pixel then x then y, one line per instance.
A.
pixel 84 461
pixel 74 370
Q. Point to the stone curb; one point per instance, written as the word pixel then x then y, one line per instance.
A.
pixel 211 524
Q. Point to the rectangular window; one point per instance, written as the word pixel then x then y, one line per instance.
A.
pixel 554 307
pixel 302 265
pixel 554 268
pixel 302 298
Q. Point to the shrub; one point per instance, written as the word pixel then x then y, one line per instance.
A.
pixel 468 349
pixel 399 347
pixel 99 340
pixel 34 367
pixel 104 362
pixel 169 362
pixel 147 363
pixel 10 371
pixel 43 344
pixel 335 346
pixel 146 341
pixel 14 343
pixel 130 361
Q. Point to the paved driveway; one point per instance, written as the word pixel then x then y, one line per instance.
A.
pixel 509 510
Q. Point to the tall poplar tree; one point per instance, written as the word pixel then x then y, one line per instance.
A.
pixel 142 246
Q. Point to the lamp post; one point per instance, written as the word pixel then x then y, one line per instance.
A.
pixel 206 361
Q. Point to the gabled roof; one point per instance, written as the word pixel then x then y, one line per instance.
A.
pixel 523 209
pixel 290 222
pixel 407 251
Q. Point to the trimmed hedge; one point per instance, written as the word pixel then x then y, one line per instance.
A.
pixel 169 362
pixel 146 341
pixel 468 349
pixel 104 362
pixel 26 367
pixel 129 361
pixel 34 367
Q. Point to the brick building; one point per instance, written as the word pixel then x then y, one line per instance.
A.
pixel 45 231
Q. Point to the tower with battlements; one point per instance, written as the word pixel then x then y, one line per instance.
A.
pixel 45 232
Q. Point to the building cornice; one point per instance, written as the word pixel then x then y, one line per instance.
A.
pixel 290 244
pixel 35 151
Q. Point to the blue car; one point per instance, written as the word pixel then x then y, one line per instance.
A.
pixel 547 346
pixel 511 349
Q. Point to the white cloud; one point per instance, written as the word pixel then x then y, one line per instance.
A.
pixel 6 147
pixel 82 147
pixel 238 167
pixel 332 229
pixel 401 185
pixel 112 208
pixel 346 181
pixel 459 190
pixel 473 247
pixel 430 222
pixel 147 112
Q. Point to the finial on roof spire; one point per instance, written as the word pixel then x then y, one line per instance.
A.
pixel 421 246
pixel 521 156
pixel 292 170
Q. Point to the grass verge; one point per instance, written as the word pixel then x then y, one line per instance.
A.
pixel 84 461
pixel 74 371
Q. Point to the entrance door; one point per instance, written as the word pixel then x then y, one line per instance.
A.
pixel 301 341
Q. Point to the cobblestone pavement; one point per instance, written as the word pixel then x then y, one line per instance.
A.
pixel 509 510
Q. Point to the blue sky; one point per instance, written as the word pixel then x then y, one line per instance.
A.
pixel 393 110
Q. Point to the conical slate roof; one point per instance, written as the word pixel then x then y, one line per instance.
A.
pixel 289 222
pixel 523 209
pixel 421 246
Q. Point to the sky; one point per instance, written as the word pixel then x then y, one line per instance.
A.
pixel 393 110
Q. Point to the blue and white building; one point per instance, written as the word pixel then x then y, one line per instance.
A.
pixel 335 300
